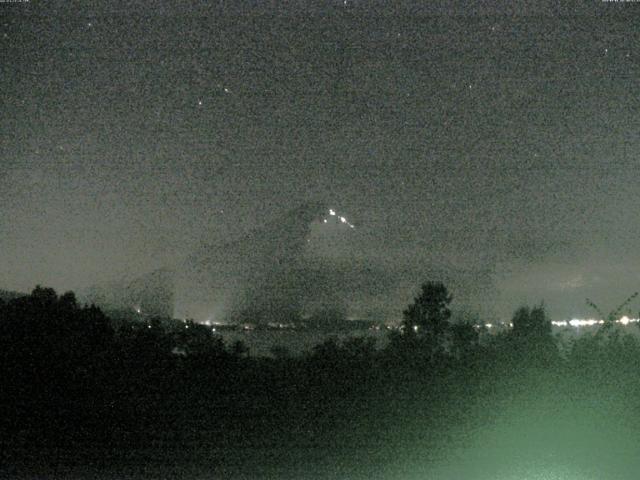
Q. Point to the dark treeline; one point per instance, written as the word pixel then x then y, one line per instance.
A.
pixel 81 396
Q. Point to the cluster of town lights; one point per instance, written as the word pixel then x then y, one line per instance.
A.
pixel 579 322
pixel 574 322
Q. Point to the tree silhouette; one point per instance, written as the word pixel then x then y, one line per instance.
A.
pixel 531 339
pixel 328 350
pixel 464 339
pixel 44 296
pixel 429 313
pixel 239 349
pixel 613 314
pixel 280 352
pixel 425 328
pixel 532 322
pixel 42 326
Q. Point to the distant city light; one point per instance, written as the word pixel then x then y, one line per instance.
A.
pixel 577 322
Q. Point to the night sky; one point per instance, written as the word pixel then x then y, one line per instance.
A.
pixel 492 144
